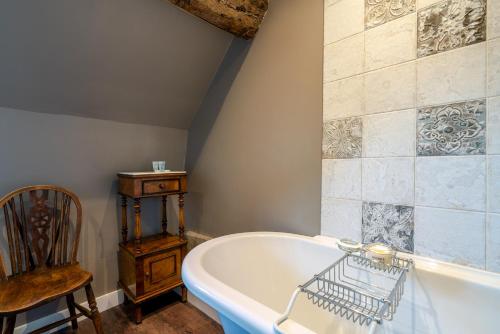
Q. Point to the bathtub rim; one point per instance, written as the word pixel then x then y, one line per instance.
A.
pixel 234 305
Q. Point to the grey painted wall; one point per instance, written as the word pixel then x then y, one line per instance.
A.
pixel 254 147
pixel 84 155
pixel 137 61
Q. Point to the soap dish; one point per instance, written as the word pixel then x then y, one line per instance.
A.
pixel 349 246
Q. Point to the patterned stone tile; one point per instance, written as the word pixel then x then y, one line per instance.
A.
pixel 390 224
pixel 453 129
pixel 342 138
pixel 378 12
pixel 450 24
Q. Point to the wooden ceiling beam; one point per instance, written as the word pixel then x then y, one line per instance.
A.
pixel 239 17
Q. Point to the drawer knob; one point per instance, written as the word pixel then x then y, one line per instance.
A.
pixel 146 274
pixel 162 186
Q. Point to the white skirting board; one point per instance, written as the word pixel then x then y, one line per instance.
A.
pixel 104 302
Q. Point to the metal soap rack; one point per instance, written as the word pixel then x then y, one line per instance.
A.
pixel 356 288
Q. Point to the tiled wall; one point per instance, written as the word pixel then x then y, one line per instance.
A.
pixel 411 135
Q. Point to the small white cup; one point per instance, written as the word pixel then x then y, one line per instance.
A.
pixel 159 166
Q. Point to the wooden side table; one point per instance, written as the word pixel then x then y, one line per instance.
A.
pixel 150 266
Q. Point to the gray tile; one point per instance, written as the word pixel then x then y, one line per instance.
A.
pixel 335 175
pixel 451 235
pixel 494 183
pixel 494 67
pixel 389 224
pixel 389 134
pixel 388 180
pixel 452 129
pixel 451 182
pixel 493 243
pixel 341 218
pixel 378 12
pixel 342 138
pixel 493 125
pixel 456 75
pixel 450 24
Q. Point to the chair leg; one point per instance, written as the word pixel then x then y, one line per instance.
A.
pixel 1 324
pixel 95 316
pixel 70 300
pixel 11 324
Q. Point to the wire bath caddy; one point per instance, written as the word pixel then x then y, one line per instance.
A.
pixel 357 288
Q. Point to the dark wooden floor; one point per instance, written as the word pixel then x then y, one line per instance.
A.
pixel 166 315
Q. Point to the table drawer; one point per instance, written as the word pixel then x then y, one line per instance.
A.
pixel 162 270
pixel 160 186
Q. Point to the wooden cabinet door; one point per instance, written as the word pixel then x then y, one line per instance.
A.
pixel 162 270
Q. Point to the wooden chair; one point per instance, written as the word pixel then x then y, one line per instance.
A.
pixel 40 233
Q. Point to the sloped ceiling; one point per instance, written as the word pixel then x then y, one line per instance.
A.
pixel 138 61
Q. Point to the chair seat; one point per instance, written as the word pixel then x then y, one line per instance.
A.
pixel 23 292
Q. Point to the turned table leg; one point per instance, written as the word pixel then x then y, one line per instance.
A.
pixel 181 216
pixel 138 314
pixel 138 227
pixel 164 214
pixel 124 220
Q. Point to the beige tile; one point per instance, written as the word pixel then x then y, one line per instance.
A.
pixel 344 58
pixel 493 243
pixel 391 43
pixel 493 124
pixel 425 3
pixel 493 19
pixel 452 76
pixel 341 218
pixel 389 134
pixel 494 67
pixel 390 89
pixel 451 235
pixel 341 178
pixel 344 98
pixel 343 18
pixel 451 182
pixel 388 180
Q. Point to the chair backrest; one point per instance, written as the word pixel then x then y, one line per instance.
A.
pixel 41 225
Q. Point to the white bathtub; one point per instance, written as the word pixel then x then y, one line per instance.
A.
pixel 248 279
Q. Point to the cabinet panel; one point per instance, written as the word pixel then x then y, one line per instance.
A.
pixel 162 270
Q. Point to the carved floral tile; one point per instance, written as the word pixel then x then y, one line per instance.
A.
pixel 389 224
pixel 378 12
pixel 450 24
pixel 453 129
pixel 342 138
